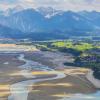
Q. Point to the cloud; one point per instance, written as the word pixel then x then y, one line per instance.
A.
pixel 75 5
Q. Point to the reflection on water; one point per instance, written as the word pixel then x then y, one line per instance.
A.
pixel 95 96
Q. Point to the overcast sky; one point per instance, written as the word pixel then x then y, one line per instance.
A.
pixel 75 5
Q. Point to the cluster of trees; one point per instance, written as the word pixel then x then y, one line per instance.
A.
pixel 90 61
pixel 86 54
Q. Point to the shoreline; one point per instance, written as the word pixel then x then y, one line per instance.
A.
pixel 86 78
pixel 23 85
pixel 92 79
pixel 57 62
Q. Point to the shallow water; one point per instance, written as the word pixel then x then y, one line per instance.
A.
pixel 23 86
pixel 94 96
pixel 20 89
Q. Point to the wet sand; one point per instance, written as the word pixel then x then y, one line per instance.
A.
pixel 74 82
pixel 55 60
pixel 56 89
pixel 9 73
pixel 8 65
pixel 76 78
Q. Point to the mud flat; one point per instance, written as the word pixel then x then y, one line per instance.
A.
pixel 52 59
pixel 74 82
pixel 22 89
pixel 68 81
pixel 46 86
pixel 8 65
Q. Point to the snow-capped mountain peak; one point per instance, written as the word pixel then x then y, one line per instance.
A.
pixel 48 12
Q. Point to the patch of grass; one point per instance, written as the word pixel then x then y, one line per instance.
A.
pixel 71 45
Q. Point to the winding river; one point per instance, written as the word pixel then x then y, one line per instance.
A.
pixel 20 90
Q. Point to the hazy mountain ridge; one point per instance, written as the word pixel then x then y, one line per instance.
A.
pixel 43 20
pixel 10 33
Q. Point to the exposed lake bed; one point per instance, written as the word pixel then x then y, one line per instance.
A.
pixel 74 82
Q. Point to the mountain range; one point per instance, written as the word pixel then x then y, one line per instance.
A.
pixel 48 23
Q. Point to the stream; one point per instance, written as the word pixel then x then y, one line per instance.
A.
pixel 20 90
